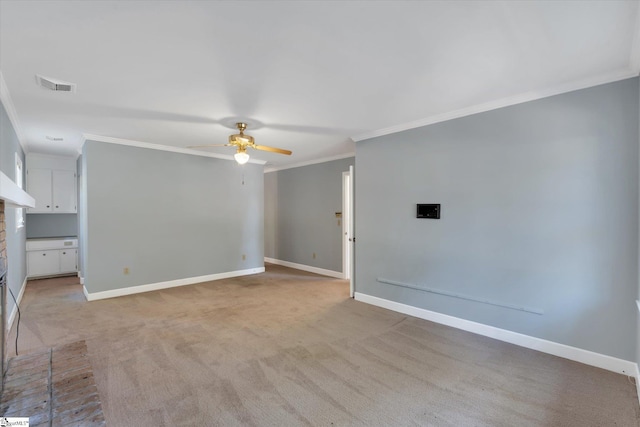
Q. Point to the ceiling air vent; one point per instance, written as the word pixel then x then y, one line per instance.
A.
pixel 53 84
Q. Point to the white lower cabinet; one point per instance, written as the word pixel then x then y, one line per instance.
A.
pixel 49 257
pixel 41 263
pixel 68 260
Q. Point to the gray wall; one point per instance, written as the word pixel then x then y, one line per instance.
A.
pixel 637 336
pixel 166 216
pixel 300 207
pixel 79 216
pixel 51 225
pixel 16 240
pixel 539 209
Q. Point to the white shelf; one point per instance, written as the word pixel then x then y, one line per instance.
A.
pixel 13 195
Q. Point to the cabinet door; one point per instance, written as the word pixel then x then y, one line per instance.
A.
pixel 40 263
pixel 64 192
pixel 68 260
pixel 39 187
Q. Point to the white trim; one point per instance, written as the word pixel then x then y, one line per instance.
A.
pixel 637 377
pixel 637 372
pixel 310 162
pixel 13 195
pixel 500 103
pixel 561 350
pixel 5 98
pixel 81 279
pixel 310 269
pixel 12 316
pixel 141 144
pixel 168 284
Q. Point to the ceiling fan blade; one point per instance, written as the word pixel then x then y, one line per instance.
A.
pixel 272 149
pixel 209 145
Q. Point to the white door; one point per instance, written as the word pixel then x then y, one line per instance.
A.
pixel 68 260
pixel 352 233
pixel 64 192
pixel 346 232
pixel 43 262
pixel 39 187
pixel 348 237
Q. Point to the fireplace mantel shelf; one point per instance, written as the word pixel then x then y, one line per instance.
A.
pixel 13 195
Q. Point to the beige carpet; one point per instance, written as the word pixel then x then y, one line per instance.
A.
pixel 290 348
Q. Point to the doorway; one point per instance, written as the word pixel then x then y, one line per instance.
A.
pixel 347 228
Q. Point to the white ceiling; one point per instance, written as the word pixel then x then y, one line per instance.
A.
pixel 309 76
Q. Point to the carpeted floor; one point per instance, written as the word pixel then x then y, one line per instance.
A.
pixel 290 348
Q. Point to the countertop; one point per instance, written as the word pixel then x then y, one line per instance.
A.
pixel 34 239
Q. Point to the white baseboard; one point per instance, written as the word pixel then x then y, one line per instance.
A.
pixel 81 280
pixel 169 284
pixel 637 375
pixel 14 312
pixel 572 353
pixel 310 269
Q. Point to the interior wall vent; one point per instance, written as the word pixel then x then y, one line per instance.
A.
pixel 53 84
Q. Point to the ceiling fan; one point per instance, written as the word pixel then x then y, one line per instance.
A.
pixel 242 142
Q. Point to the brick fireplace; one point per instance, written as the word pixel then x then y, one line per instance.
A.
pixel 11 195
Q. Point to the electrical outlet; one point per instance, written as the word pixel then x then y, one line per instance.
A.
pixel 125 270
pixel 244 257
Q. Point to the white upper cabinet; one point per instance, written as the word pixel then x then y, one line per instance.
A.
pixel 51 180
pixel 39 186
pixel 64 191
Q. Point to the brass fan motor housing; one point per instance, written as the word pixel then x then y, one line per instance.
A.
pixel 241 139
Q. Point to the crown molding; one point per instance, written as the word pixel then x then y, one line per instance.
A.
pixel 140 144
pixel 310 162
pixel 504 102
pixel 5 98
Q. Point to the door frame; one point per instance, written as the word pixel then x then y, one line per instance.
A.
pixel 348 240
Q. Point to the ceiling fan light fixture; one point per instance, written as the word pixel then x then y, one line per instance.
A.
pixel 242 142
pixel 241 157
